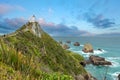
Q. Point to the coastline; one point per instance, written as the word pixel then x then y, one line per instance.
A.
pixel 110 49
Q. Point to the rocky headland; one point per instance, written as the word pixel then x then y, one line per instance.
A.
pixel 32 54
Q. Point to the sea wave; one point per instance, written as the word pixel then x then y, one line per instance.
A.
pixel 96 52
pixel 113 58
pixel 114 61
pixel 115 75
pixel 78 51
pixel 81 45
pixel 72 49
pixel 101 52
pixel 115 64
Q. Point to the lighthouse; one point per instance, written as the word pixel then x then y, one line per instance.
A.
pixel 32 19
pixel 33 26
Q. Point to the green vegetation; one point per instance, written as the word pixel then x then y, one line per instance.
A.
pixel 31 57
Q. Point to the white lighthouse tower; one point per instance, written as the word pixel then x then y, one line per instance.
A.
pixel 32 19
pixel 33 26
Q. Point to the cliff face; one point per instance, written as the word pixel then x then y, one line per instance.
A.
pixel 35 55
pixel 33 27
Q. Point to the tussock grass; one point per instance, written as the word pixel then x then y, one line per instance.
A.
pixel 34 58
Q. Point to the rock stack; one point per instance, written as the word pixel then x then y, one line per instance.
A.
pixel 88 48
pixel 96 60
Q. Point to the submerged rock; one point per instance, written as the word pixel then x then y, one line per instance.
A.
pixel 100 49
pixel 88 48
pixel 68 41
pixel 76 44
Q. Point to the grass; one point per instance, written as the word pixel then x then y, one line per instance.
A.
pixel 34 58
pixel 13 62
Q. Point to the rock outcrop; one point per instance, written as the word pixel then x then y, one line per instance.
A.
pixel 88 76
pixel 83 63
pixel 96 60
pixel 100 49
pixel 118 76
pixel 88 48
pixel 65 46
pixel 76 44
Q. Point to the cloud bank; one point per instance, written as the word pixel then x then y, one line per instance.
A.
pixel 61 29
pixel 9 25
pixel 98 20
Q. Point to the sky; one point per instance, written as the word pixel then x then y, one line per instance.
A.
pixel 63 17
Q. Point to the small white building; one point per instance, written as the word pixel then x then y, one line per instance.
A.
pixel 32 19
pixel 33 26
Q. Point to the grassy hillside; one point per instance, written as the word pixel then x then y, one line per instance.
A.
pixel 32 57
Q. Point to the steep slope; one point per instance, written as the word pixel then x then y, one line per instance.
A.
pixel 32 52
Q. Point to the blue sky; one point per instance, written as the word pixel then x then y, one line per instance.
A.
pixel 63 17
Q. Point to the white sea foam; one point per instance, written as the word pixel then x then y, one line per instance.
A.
pixel 77 51
pixel 99 52
pixel 72 49
pixel 95 52
pixel 114 61
pixel 81 45
pixel 82 53
pixel 86 53
pixel 115 75
pixel 115 64
pixel 113 58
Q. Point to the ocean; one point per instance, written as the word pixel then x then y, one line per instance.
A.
pixel 110 51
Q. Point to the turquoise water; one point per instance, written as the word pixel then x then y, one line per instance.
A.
pixel 111 52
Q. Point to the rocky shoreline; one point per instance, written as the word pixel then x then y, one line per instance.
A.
pixel 93 59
